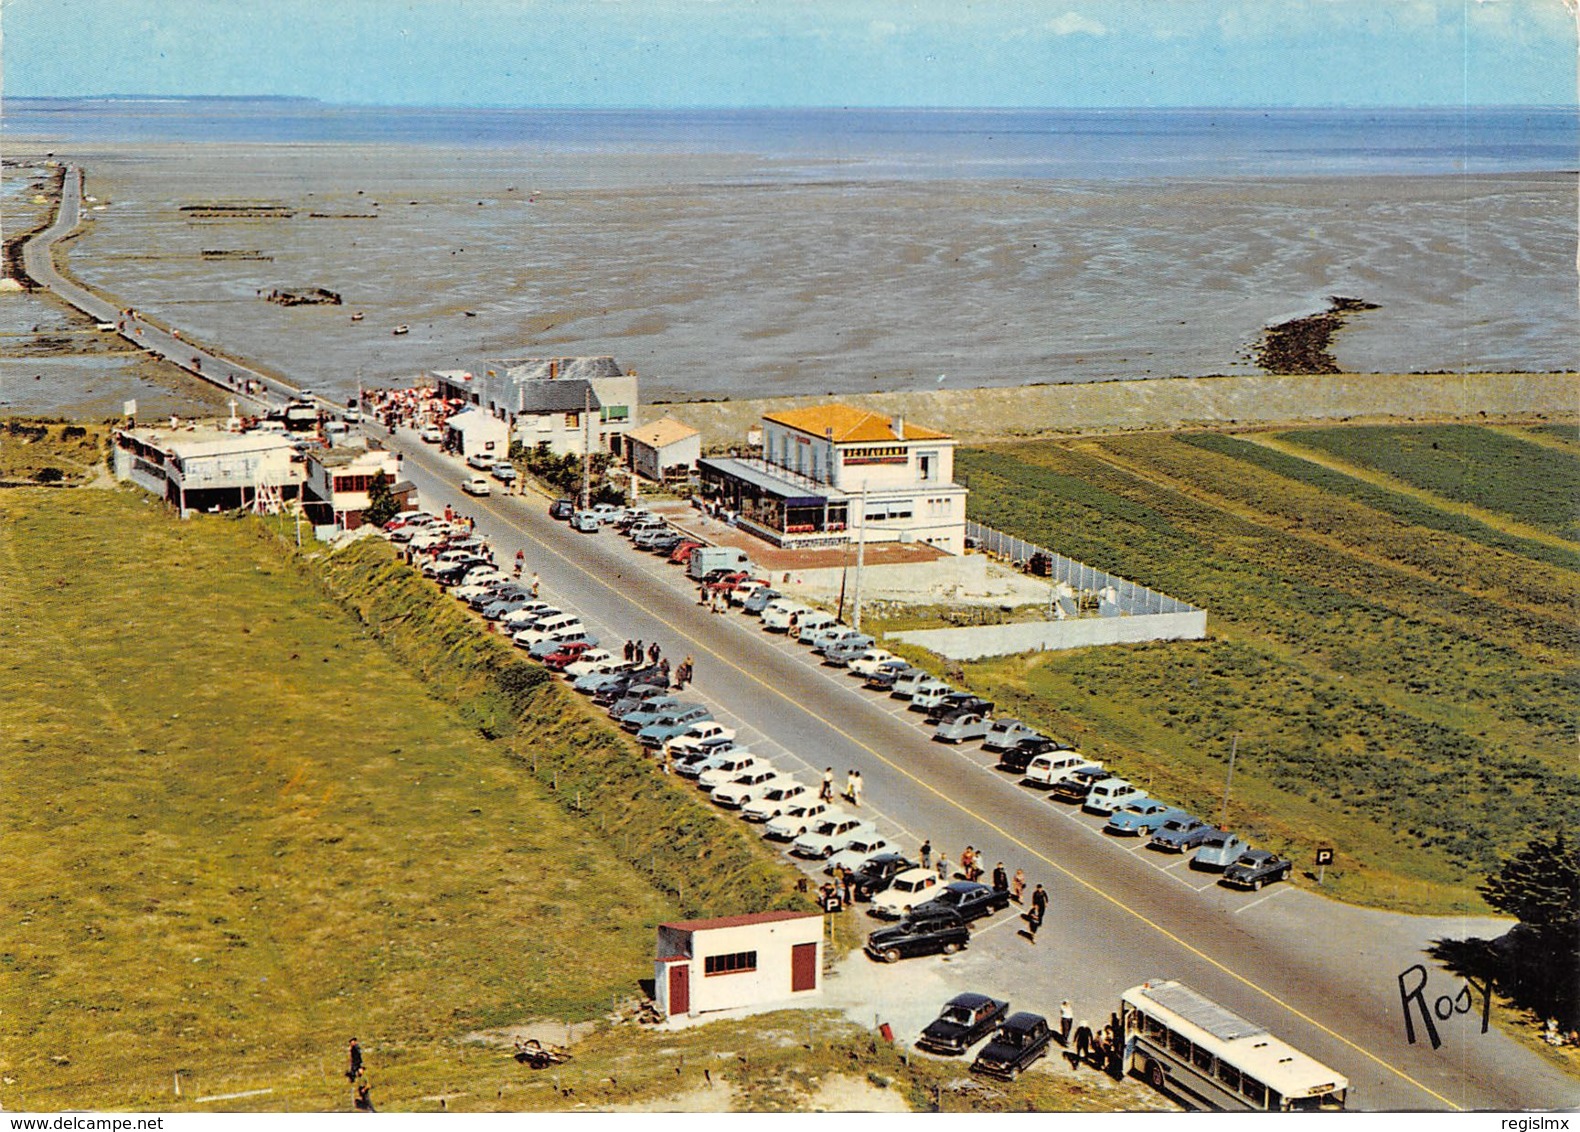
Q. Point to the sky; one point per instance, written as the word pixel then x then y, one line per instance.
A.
pixel 724 53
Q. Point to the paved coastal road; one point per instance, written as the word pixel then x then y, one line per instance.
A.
pixel 1320 974
pixel 162 341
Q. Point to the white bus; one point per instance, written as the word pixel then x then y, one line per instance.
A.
pixel 1208 1057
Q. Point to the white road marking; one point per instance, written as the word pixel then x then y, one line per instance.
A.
pixel 1260 900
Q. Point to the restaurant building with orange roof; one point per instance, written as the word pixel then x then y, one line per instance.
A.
pixel 827 471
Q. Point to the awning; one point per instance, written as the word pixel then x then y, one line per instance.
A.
pixel 791 494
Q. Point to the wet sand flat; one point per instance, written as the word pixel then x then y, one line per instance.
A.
pixel 715 276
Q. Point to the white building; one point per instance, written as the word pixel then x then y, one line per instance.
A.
pixel 738 961
pixel 339 481
pixel 473 432
pixel 205 468
pixel 665 449
pixel 830 470
pixel 567 403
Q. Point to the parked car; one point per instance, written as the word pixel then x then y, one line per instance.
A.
pixel 549 645
pixel 482 461
pixel 585 522
pixel 969 900
pixel 1004 733
pixel 960 726
pixel 869 661
pixel 505 472
pixel 682 551
pixel 564 627
pixel 608 513
pixel 811 623
pixel 937 931
pixel 1021 1041
pixel 643 536
pixel 877 873
pixel 567 652
pixel 743 592
pixel 1180 833
pixel 725 766
pixel 644 696
pixel 928 691
pixel 590 661
pixel 705 735
pixel 1142 818
pixel 1111 793
pixel 905 685
pixel 1047 771
pixel 775 800
pixel 592 682
pixel 633 516
pixel 562 509
pixel 964 1021
pixel 888 674
pixel 509 603
pixel 1256 867
pixel 842 647
pixel 745 787
pixel 476 485
pixel 431 434
pixel 855 855
pixel 666 725
pixel 907 891
pixel 777 614
pixel 798 817
pixel 480 582
pixel 956 702
pixel 831 834
pixel 1220 850
pixel 623 683
pixel 759 599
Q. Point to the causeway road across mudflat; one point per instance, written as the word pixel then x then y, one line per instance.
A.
pixel 1322 975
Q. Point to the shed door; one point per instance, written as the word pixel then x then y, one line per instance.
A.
pixel 803 967
pixel 680 988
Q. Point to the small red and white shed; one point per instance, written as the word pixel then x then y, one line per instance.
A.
pixel 737 961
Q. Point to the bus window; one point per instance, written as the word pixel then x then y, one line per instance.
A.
pixel 1229 1075
pixel 1156 1029
pixel 1179 1044
pixel 1253 1091
pixel 1275 1100
pixel 1203 1059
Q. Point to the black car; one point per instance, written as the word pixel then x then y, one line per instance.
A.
pixel 562 509
pixel 1020 1041
pixel 968 900
pixel 939 931
pixel 620 687
pixel 964 1021
pixel 1078 784
pixel 665 542
pixel 876 874
pixel 958 702
pixel 1255 868
pixel 883 679
pixel 1019 757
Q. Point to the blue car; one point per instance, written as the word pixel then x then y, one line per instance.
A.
pixel 1180 833
pixel 650 702
pixel 659 732
pixel 555 644
pixel 1220 850
pixel 1141 817
pixel 668 714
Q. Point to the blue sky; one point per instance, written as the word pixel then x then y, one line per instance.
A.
pixel 802 52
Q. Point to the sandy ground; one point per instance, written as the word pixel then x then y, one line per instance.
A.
pixel 713 278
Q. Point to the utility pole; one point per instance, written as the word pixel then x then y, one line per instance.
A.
pixel 1229 778
pixel 861 558
pixel 587 449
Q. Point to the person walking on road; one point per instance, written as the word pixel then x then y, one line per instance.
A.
pixel 1017 886
pixel 1039 910
pixel 853 787
pixel 1000 878
pixel 1066 1020
pixel 927 854
pixel 826 793
pixel 536 583
pixel 943 868
pixel 1083 1041
pixel 652 653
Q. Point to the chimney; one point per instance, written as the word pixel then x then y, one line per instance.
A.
pixel 898 425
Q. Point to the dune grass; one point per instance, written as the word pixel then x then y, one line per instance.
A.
pixel 240 831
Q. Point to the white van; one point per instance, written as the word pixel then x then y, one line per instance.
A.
pixel 1110 794
pixel 551 629
pixel 777 614
pixel 1047 770
pixel 812 623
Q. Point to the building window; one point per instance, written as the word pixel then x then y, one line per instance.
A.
pixel 927 466
pixel 736 963
pixel 572 420
pixel 615 413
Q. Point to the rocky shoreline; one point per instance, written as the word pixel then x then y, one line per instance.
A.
pixel 1301 344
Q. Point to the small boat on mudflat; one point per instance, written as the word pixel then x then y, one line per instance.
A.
pixel 402 329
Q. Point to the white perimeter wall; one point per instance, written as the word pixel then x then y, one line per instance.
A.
pixel 976 642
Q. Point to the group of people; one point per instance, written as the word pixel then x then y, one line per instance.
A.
pixel 1101 1049
pixel 406 408
pixel 853 787
pixel 717 600
pixel 1001 880
pixel 361 1089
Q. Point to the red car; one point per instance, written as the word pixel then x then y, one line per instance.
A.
pixel 682 552
pixel 566 654
pixel 727 583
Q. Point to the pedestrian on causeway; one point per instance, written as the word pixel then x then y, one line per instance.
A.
pixel 536 583
pixel 943 867
pixel 826 793
pixel 1000 878
pixel 1039 909
pixel 1066 1020
pixel 1017 886
pixel 652 653
pixel 927 854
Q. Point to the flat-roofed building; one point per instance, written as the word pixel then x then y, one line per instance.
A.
pixel 472 432
pixel 756 960
pixel 340 482
pixel 209 468
pixel 828 471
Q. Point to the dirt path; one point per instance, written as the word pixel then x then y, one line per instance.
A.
pixel 1492 519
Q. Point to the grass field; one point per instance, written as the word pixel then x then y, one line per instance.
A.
pixel 239 832
pixel 1402 679
pixel 1529 482
pixel 67 451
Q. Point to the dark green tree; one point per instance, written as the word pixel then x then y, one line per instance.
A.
pixel 382 504
pixel 1541 886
